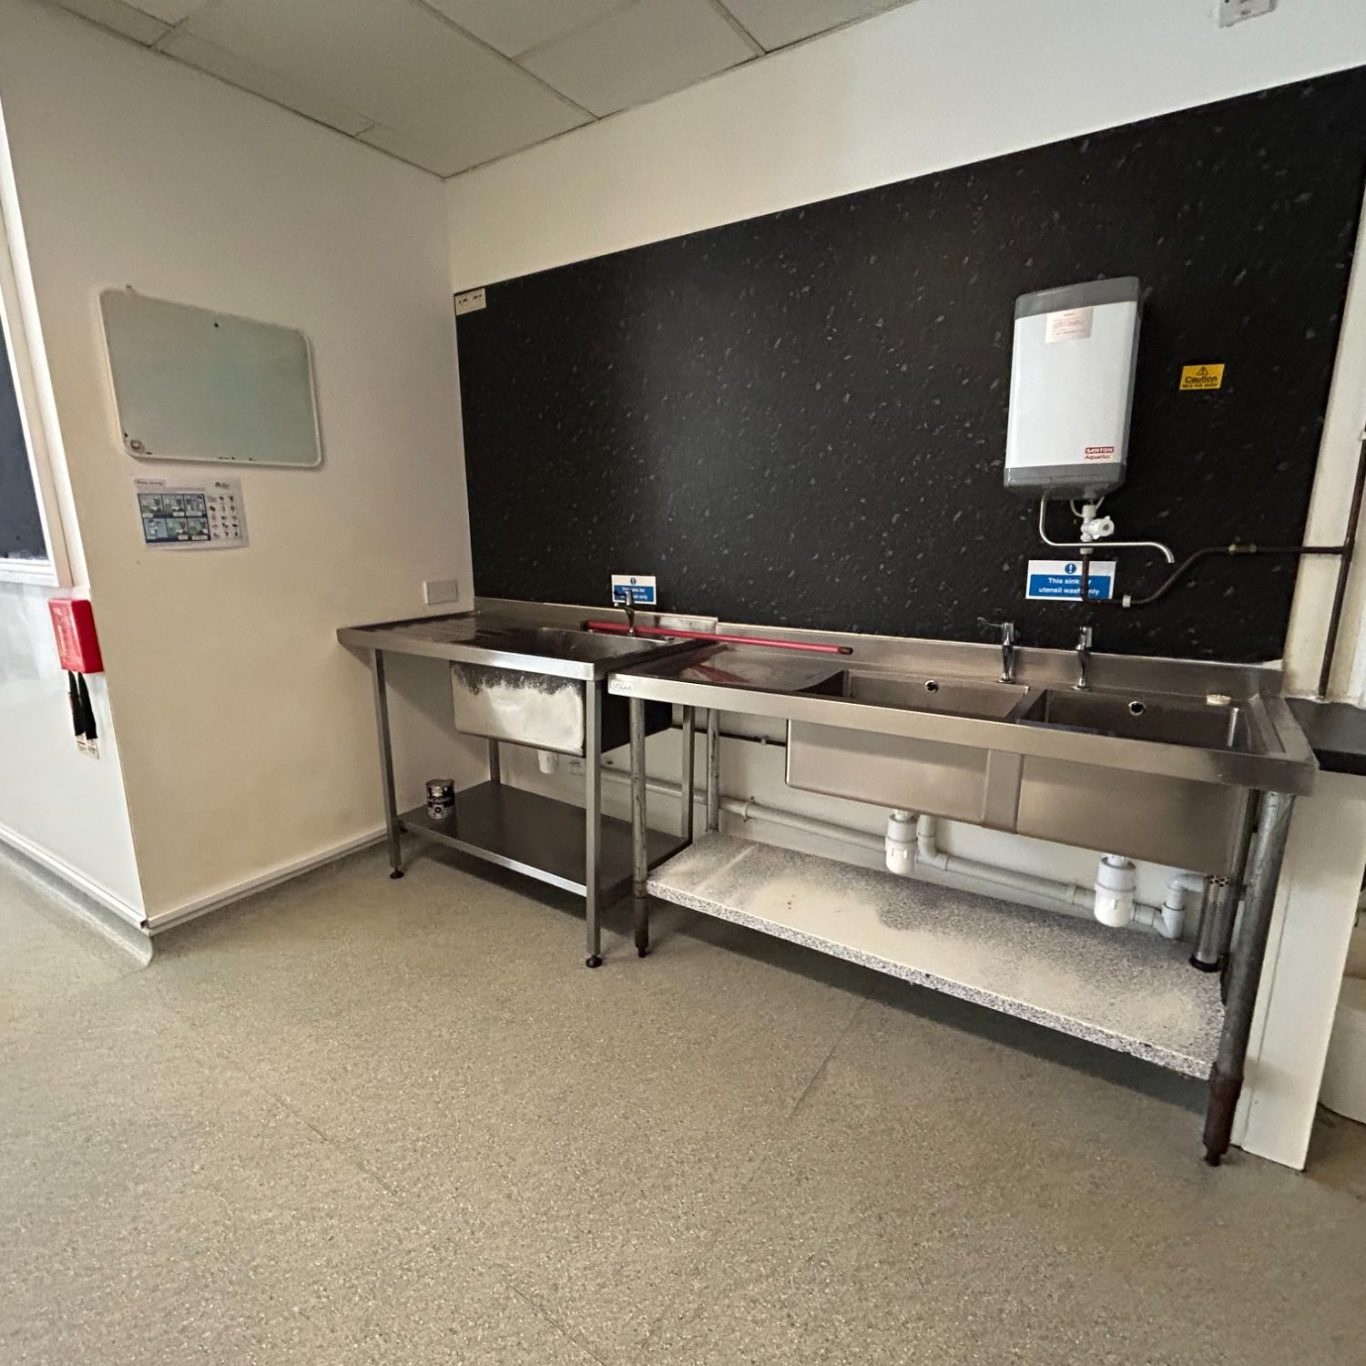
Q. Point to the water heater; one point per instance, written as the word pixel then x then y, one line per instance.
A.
pixel 1071 388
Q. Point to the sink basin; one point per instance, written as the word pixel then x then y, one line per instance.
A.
pixel 1170 721
pixel 529 685
pixel 955 696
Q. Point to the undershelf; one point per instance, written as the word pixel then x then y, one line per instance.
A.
pixel 1127 991
pixel 539 836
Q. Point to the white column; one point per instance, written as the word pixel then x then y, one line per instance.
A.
pixel 1315 912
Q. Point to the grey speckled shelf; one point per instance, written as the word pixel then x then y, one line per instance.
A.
pixel 1128 991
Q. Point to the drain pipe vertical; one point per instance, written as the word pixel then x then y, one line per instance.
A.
pixel 1217 913
pixel 1245 974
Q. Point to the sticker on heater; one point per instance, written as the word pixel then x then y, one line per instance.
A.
pixel 1068 324
pixel 1061 579
pixel 1093 453
pixel 639 588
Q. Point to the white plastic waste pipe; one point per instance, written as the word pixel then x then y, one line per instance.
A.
pixel 934 865
pixel 917 855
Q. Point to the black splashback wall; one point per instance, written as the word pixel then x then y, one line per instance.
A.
pixel 800 419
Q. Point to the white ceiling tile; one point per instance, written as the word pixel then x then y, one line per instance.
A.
pixel 775 23
pixel 172 11
pixel 186 47
pixel 512 26
pixel 121 18
pixel 412 151
pixel 396 63
pixel 639 53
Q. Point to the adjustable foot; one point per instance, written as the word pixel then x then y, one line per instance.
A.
pixel 592 961
pixel 397 873
pixel 642 952
pixel 1212 1158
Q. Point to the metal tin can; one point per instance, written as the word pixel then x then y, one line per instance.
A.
pixel 440 797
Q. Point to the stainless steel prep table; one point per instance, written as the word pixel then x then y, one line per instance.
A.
pixel 557 668
pixel 889 698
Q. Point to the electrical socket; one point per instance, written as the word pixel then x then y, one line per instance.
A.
pixel 1235 11
pixel 440 590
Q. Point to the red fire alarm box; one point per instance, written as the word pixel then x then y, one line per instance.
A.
pixel 73 623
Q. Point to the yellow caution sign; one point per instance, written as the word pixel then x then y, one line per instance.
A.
pixel 1202 376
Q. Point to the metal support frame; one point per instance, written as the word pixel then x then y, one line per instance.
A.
pixel 592 810
pixel 640 863
pixel 640 858
pixel 386 765
pixel 713 770
pixel 1245 975
pixel 688 774
pixel 495 763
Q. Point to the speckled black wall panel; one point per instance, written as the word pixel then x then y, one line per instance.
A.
pixel 21 531
pixel 801 419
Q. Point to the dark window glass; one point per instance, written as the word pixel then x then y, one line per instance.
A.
pixel 21 530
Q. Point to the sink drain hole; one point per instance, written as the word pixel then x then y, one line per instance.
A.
pixel 931 685
pixel 1137 708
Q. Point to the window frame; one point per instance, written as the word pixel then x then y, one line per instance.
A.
pixel 32 387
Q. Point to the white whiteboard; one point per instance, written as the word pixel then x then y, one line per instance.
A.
pixel 191 384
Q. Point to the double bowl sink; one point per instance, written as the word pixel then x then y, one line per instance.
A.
pixel 1216 723
pixel 1155 762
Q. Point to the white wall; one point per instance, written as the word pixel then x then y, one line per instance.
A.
pixel 246 730
pixel 57 805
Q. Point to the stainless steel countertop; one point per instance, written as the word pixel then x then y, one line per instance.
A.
pixel 510 640
pixel 759 681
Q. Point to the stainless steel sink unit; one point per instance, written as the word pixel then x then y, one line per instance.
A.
pixel 1154 760
pixel 518 682
pixel 1164 760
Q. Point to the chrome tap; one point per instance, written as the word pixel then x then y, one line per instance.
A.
pixel 1083 658
pixel 629 607
pixel 1007 629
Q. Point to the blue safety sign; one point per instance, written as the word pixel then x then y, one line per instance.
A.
pixel 639 588
pixel 1062 579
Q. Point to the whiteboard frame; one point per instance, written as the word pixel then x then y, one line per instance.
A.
pixel 127 445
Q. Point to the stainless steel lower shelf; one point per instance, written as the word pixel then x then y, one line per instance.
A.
pixel 536 835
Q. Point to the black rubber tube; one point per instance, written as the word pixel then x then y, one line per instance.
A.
pixel 1229 551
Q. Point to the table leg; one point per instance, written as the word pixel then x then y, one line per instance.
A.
pixel 386 764
pixel 688 777
pixel 1245 972
pixel 640 862
pixel 592 770
pixel 713 770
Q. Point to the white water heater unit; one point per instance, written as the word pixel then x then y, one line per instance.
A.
pixel 1071 388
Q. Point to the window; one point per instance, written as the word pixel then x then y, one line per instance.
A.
pixel 21 523
pixel 32 549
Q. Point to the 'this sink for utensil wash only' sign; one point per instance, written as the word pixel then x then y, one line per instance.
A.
pixel 639 588
pixel 1062 579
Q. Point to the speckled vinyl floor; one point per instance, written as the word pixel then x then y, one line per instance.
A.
pixel 357 1121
